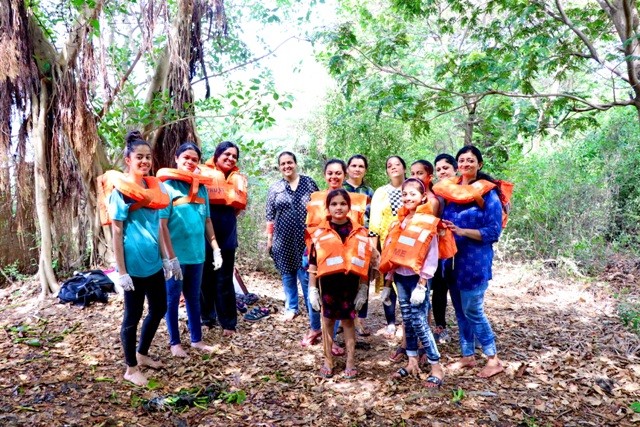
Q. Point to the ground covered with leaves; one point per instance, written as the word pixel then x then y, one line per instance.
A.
pixel 569 362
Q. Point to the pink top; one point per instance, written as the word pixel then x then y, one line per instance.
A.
pixel 429 266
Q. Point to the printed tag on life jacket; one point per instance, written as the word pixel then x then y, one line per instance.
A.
pixel 356 208
pixel 357 261
pixel 326 236
pixel 414 228
pixel 317 232
pixel 362 238
pixel 423 236
pixel 477 185
pixel 362 246
pixel 316 203
pixel 334 261
pixel 407 241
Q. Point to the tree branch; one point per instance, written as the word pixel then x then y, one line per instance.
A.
pixel 578 32
pixel 121 83
pixel 628 49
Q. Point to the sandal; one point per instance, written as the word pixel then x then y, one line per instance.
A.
pixel 363 332
pixel 325 372
pixel 402 372
pixel 338 351
pixel 257 314
pixel 311 338
pixel 434 380
pixel 399 355
pixel 350 374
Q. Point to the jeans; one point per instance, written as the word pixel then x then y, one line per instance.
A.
pixel 414 318
pixel 469 307
pixel 190 287
pixel 440 286
pixel 217 294
pixel 290 284
pixel 153 288
pixel 390 310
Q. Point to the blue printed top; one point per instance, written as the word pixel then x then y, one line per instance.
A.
pixel 472 262
pixel 186 222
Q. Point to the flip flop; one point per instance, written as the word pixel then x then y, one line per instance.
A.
pixel 399 355
pixel 363 332
pixel 434 380
pixel 311 338
pixel 338 351
pixel 402 372
pixel 325 372
pixel 350 374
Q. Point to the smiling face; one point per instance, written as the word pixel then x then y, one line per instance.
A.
pixel 227 160
pixel 288 166
pixel 418 171
pixel 444 170
pixel 338 208
pixel 395 168
pixel 356 169
pixel 412 196
pixel 140 160
pixel 188 160
pixel 334 175
pixel 468 165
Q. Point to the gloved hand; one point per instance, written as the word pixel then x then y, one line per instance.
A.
pixel 217 259
pixel 385 296
pixel 126 283
pixel 166 266
pixel 175 268
pixel 361 297
pixel 314 298
pixel 418 295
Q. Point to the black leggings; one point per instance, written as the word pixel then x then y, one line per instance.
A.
pixel 153 287
pixel 440 287
pixel 218 295
pixel 390 310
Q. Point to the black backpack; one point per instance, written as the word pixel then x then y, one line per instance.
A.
pixel 85 288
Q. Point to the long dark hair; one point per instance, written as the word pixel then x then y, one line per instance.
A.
pixel 336 161
pixel 404 165
pixel 447 158
pixel 287 153
pixel 189 146
pixel 222 147
pixel 480 175
pixel 427 167
pixel 338 192
pixel 132 139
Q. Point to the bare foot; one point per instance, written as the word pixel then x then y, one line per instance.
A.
pixel 203 347
pixel 228 333
pixel 289 316
pixel 494 367
pixel 178 351
pixel 147 361
pixel 135 375
pixel 464 362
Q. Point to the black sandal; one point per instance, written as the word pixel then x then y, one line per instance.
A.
pixel 402 372
pixel 434 380
pixel 399 355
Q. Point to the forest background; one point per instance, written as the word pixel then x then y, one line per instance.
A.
pixel 548 90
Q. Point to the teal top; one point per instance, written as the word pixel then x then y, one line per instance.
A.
pixel 140 235
pixel 186 222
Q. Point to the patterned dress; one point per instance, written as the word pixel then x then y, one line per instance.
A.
pixel 338 290
pixel 288 211
pixel 384 209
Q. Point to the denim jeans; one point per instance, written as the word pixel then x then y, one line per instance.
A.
pixel 153 289
pixel 414 318
pixel 290 284
pixel 190 287
pixel 469 307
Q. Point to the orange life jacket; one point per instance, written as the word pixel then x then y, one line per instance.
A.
pixel 333 256
pixel 230 191
pixel 317 211
pixel 408 247
pixel 153 197
pixel 166 174
pixel 451 190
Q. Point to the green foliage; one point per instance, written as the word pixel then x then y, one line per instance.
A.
pixel 635 407
pixel 458 395
pixel 629 311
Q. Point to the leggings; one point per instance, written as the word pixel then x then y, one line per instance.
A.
pixel 440 285
pixel 217 293
pixel 153 288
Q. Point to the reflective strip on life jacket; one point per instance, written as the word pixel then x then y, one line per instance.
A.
pixel 317 211
pixel 409 247
pixel 166 174
pixel 333 256
pixel 229 191
pixel 152 197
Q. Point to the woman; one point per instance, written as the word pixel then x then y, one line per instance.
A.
pixel 183 224
pixel 137 246
pixel 286 213
pixel 384 209
pixel 446 167
pixel 339 261
pixel 476 229
pixel 227 197
pixel 357 166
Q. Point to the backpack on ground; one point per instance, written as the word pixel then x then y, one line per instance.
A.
pixel 85 288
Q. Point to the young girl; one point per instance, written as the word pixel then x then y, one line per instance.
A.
pixel 137 245
pixel 409 258
pixel 183 224
pixel 423 170
pixel 339 257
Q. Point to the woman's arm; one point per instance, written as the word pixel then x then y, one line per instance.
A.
pixel 491 226
pixel 375 220
pixel 118 246
pixel 211 235
pixel 270 212
pixel 165 240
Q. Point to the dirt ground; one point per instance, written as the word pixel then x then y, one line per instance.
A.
pixel 569 362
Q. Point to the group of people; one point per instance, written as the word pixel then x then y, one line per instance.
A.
pixel 176 234
pixel 408 237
